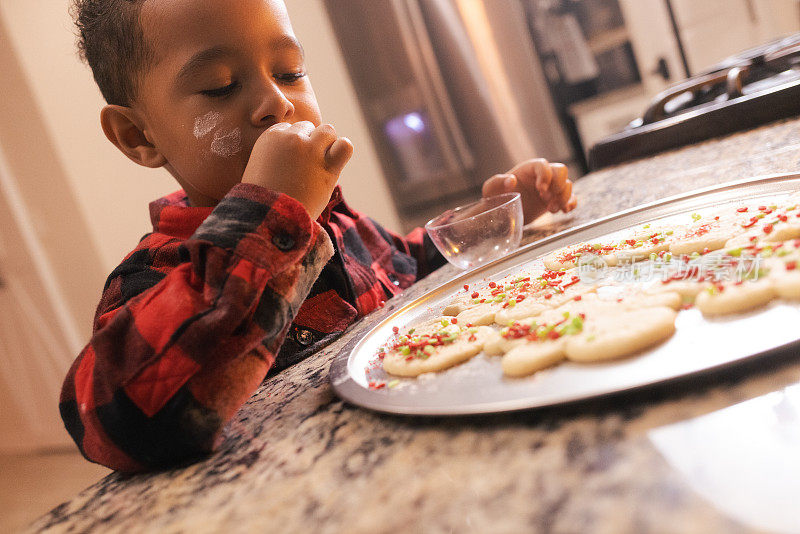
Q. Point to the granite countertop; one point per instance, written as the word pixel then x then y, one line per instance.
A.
pixel 711 454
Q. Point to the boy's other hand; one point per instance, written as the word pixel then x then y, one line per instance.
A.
pixel 544 186
pixel 300 160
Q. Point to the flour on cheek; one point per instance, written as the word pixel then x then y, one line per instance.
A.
pixel 226 144
pixel 203 125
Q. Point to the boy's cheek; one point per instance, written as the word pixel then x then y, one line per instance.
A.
pixel 217 138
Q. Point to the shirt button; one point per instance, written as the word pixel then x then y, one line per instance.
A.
pixel 284 242
pixel 394 279
pixel 304 337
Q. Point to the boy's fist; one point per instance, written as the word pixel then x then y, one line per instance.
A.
pixel 544 186
pixel 300 160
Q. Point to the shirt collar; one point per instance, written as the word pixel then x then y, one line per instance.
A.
pixel 172 215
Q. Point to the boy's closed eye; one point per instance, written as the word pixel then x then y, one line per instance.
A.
pixel 221 91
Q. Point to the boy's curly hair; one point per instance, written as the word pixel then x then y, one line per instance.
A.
pixel 111 41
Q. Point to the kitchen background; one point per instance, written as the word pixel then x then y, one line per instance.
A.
pixel 436 95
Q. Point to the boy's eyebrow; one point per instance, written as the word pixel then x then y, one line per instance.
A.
pixel 201 58
pixel 211 54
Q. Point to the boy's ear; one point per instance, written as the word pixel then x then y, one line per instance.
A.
pixel 122 127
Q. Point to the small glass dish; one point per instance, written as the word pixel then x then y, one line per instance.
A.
pixel 477 233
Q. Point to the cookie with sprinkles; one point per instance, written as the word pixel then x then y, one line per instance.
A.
pixel 413 355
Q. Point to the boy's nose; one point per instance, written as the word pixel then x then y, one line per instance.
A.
pixel 272 105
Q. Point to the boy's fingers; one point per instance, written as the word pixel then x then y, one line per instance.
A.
pixel 338 154
pixel 280 126
pixel 303 127
pixel 561 186
pixel 571 203
pixel 544 176
pixel 325 134
pixel 499 184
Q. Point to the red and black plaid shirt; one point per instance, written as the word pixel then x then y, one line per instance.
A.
pixel 192 320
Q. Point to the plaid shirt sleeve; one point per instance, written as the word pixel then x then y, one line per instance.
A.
pixel 187 330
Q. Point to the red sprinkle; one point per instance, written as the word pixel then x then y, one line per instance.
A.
pixel 475 295
pixel 762 208
pixel 791 265
pixel 742 210
pixel 492 284
pixel 578 297
pixel 783 218
pixel 466 287
pixel 548 296
pixel 395 329
pixel 453 320
pixel 767 228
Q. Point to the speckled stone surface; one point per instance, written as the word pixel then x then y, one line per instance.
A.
pixel 716 454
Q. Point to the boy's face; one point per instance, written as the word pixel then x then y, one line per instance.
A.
pixel 224 71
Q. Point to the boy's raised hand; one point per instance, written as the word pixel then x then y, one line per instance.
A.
pixel 300 160
pixel 544 186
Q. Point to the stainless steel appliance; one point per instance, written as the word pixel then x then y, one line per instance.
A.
pixel 452 92
pixel 757 86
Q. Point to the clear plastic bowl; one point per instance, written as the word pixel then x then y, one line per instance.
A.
pixel 477 233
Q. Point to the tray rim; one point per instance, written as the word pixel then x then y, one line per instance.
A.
pixel 347 389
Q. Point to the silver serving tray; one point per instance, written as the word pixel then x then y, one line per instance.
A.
pixel 478 386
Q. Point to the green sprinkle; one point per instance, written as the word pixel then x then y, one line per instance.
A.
pixel 393 384
pixel 760 216
pixel 512 303
pixel 694 255
pixel 566 315
pixel 646 226
pixel 735 252
pixel 591 338
pixel 476 301
pixel 445 322
pixel 783 252
pixel 597 246
pixel 405 351
pixel 412 331
pixel 696 217
pixel 668 256
pixel 428 349
pixel 669 232
pixel 653 256
pixel 712 290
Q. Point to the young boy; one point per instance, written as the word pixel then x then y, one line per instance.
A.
pixel 257 262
